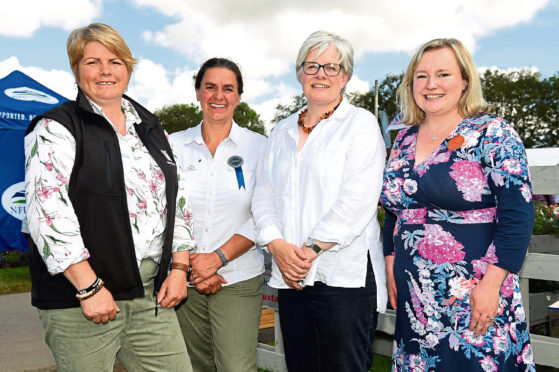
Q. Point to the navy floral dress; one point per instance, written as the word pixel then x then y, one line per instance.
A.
pixel 441 226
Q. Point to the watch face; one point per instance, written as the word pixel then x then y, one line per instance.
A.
pixel 309 242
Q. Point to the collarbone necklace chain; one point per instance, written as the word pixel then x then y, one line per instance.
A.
pixel 435 136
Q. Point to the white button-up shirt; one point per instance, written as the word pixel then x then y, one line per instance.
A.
pixel 221 208
pixel 328 191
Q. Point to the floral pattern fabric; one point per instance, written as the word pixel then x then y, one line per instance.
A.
pixel 469 204
pixel 50 151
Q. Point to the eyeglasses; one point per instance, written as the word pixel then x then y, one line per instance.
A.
pixel 330 69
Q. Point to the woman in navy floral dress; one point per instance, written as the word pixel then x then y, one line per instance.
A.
pixel 458 223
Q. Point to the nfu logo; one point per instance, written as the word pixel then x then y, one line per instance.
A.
pixel 30 94
pixel 13 200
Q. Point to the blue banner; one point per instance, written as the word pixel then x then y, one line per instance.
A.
pixel 21 99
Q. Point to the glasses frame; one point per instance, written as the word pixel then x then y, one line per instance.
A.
pixel 321 67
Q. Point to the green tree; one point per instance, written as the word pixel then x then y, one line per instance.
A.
pixel 179 116
pixel 182 116
pixel 551 116
pixel 283 111
pixel 386 100
pixel 528 102
pixel 248 118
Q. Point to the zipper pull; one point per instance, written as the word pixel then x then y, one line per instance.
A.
pixel 156 309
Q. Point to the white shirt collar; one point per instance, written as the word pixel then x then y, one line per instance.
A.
pixel 235 134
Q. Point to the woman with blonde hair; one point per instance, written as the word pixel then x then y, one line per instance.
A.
pixel 107 213
pixel 458 223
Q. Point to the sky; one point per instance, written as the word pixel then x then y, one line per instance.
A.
pixel 172 38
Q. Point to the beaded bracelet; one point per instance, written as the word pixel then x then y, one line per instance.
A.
pixel 84 294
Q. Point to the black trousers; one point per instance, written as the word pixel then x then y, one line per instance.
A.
pixel 329 328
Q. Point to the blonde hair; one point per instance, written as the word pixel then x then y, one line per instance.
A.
pixel 101 33
pixel 471 102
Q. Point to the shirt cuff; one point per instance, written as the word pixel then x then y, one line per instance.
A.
pixel 265 235
pixel 247 230
pixel 184 246
pixel 58 268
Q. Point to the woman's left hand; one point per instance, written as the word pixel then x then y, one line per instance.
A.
pixel 211 285
pixel 173 290
pixel 204 265
pixel 293 284
pixel 484 299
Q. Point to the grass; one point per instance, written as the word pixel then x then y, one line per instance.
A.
pixel 381 363
pixel 15 280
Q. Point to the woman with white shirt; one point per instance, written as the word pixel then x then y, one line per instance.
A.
pixel 220 319
pixel 315 205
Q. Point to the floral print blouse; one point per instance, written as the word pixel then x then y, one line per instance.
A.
pixel 50 150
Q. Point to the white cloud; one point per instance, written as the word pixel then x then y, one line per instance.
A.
pixel 529 70
pixel 156 87
pixel 59 81
pixel 357 85
pixel 282 94
pixel 264 36
pixel 22 18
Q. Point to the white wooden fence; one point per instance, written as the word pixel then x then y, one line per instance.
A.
pixel 542 266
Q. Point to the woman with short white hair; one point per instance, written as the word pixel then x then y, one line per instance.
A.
pixel 315 206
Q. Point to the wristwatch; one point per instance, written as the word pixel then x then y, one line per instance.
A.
pixel 311 243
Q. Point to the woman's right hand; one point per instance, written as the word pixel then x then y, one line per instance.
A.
pixel 291 260
pixel 101 307
pixel 390 282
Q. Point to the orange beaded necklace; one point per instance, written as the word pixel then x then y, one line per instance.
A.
pixel 326 115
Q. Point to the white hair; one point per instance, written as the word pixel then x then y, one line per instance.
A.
pixel 320 41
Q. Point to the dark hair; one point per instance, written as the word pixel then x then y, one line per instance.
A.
pixel 219 63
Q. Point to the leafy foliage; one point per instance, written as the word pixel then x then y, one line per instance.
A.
pixel 248 118
pixel 179 117
pixel 283 111
pixel 546 219
pixel 386 100
pixel 13 258
pixel 528 102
